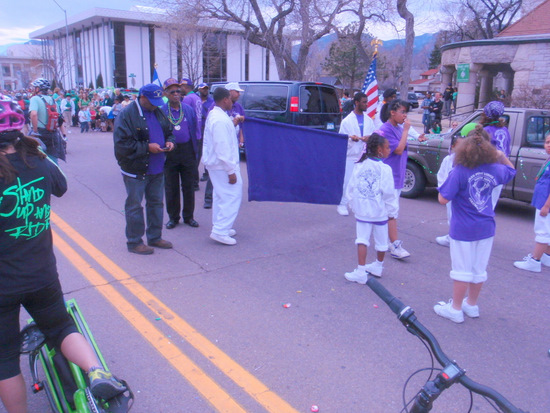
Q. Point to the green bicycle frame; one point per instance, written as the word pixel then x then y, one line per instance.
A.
pixel 55 390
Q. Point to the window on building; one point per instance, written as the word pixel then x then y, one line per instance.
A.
pixel 214 60
pixel 6 70
pixel 78 54
pixel 120 55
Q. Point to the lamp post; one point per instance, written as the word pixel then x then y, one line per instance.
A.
pixel 66 44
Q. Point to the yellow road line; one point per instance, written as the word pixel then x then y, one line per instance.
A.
pixel 249 383
pixel 210 390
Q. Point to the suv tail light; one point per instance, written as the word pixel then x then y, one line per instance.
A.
pixel 294 104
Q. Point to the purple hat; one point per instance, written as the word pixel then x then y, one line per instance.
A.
pixel 169 82
pixel 186 81
pixel 152 92
pixel 203 85
pixel 494 110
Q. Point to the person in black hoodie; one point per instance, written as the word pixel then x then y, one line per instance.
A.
pixel 28 271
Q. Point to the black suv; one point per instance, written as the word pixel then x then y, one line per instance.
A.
pixel 310 104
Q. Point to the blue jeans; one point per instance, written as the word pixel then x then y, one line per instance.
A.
pixel 152 187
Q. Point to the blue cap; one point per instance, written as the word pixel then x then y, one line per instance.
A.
pixel 203 85
pixel 186 81
pixel 152 92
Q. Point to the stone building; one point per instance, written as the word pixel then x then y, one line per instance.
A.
pixel 20 64
pixel 519 55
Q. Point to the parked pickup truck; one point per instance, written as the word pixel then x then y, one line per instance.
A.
pixel 528 128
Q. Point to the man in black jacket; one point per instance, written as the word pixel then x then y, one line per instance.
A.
pixel 142 136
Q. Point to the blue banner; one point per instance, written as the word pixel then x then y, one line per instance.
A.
pixel 288 163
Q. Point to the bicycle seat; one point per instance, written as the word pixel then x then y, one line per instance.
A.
pixel 31 338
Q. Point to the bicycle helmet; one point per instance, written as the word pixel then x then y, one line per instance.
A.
pixel 11 115
pixel 42 84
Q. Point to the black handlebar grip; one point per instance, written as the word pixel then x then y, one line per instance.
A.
pixel 394 303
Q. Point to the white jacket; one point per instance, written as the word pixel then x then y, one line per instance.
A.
pixel 350 126
pixel 220 148
pixel 371 191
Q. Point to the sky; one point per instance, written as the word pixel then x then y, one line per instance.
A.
pixel 16 22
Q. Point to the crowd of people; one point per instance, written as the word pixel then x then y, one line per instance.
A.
pixel 91 110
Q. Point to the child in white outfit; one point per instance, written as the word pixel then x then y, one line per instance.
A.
pixel 372 198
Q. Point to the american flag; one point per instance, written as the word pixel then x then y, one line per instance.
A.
pixel 370 88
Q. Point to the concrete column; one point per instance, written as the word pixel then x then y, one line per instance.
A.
pixel 485 88
pixel 467 91
pixel 446 76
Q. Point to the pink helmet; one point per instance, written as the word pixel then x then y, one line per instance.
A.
pixel 11 115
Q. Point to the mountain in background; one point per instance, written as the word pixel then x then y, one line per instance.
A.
pixel 423 46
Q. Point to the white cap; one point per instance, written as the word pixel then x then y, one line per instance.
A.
pixel 233 86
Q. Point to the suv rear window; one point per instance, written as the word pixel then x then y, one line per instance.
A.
pixel 315 99
pixel 266 97
pixel 537 129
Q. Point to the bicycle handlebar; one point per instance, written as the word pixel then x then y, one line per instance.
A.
pixel 406 315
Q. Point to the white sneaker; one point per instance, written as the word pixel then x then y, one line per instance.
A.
pixel 375 268
pixel 447 311
pixel 342 210
pixel 397 251
pixel 223 239
pixel 545 260
pixel 444 240
pixel 357 275
pixel 232 232
pixel 470 310
pixel 528 264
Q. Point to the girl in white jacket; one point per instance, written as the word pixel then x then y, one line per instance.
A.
pixel 372 199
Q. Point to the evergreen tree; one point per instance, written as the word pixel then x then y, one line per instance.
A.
pixel 345 63
pixel 99 81
pixel 435 57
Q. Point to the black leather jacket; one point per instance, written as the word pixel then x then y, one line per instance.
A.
pixel 131 138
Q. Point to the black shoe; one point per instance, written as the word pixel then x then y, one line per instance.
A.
pixel 204 178
pixel 207 205
pixel 191 222
pixel 171 224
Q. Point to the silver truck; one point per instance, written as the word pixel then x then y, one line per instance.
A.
pixel 528 128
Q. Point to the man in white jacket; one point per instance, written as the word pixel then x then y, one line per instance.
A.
pixel 221 159
pixel 358 126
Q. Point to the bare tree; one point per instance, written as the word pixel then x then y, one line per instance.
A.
pixel 273 24
pixel 409 44
pixel 483 19
pixel 361 12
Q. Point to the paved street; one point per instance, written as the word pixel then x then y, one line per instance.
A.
pixel 202 327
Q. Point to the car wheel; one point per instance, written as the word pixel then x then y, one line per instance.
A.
pixel 415 180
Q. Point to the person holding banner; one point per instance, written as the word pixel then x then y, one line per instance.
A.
pixel 221 158
pixel 358 126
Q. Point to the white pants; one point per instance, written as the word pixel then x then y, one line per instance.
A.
pixel 397 196
pixel 350 163
pixel 469 260
pixel 226 200
pixel 380 234
pixel 542 228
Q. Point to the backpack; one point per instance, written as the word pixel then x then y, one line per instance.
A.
pixel 53 115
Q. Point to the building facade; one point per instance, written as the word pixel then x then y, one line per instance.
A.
pixel 518 57
pixel 20 64
pixel 116 48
